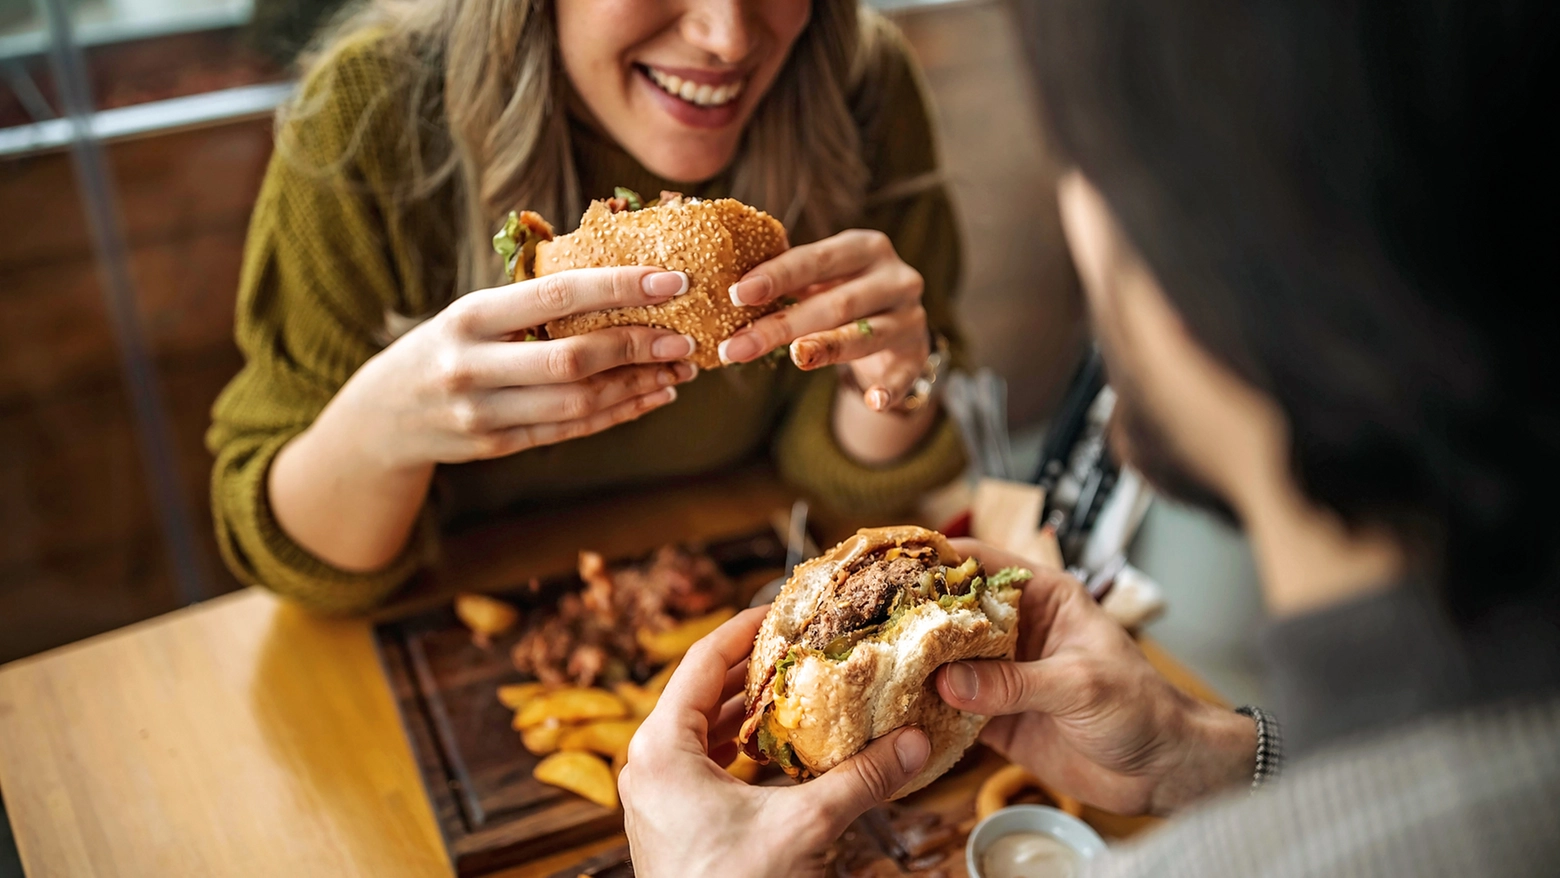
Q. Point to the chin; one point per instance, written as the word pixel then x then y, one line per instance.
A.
pixel 682 161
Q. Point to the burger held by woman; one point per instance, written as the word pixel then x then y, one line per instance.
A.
pixel 384 395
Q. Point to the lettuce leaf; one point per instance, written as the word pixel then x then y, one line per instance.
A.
pixel 1009 576
pixel 507 241
pixel 630 196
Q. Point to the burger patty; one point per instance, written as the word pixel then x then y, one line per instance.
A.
pixel 863 599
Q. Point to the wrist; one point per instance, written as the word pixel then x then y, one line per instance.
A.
pixel 874 438
pixel 360 431
pixel 1216 751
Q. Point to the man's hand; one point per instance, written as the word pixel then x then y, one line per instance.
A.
pixel 1086 713
pixel 686 816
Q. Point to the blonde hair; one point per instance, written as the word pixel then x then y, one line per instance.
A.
pixel 488 69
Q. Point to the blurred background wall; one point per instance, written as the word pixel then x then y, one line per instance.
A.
pixel 183 92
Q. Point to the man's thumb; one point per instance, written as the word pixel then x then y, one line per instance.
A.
pixel 870 777
pixel 997 688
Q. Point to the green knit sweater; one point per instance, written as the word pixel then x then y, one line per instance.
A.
pixel 333 248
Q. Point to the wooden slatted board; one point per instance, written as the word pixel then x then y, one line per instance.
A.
pixel 490 810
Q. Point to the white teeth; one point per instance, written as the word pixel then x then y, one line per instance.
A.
pixel 703 95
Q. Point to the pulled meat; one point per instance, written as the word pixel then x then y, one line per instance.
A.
pixel 864 598
pixel 592 636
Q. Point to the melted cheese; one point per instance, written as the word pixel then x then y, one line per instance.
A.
pixel 957 575
pixel 787 711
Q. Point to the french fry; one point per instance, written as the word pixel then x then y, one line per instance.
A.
pixel 664 646
pixel 515 695
pixel 579 772
pixel 657 683
pixel 608 737
pixel 1006 782
pixel 640 699
pixel 543 739
pixel 485 616
pixel 743 768
pixel 570 705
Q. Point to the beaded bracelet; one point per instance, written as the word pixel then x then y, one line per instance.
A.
pixel 1270 745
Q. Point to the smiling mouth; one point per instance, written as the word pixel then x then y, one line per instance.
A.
pixel 700 95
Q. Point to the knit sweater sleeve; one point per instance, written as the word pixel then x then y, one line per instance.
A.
pixel 321 271
pixel 906 201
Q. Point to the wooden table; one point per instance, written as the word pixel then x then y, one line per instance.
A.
pixel 243 737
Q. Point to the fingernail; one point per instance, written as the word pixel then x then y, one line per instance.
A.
pixel 665 284
pixel 685 372
pixel 753 291
pixel 738 349
pixel 665 396
pixel 912 748
pixel 877 399
pixel 963 682
pixel 804 353
pixel 671 347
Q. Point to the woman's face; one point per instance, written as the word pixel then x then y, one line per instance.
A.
pixel 675 81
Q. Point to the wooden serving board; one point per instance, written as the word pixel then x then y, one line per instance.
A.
pixel 490 811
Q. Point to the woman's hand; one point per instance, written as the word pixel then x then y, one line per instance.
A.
pixel 1086 713
pixel 686 816
pixel 460 387
pixel 858 304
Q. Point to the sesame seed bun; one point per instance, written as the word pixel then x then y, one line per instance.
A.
pixel 715 242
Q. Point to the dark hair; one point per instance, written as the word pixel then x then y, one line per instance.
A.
pixel 1353 205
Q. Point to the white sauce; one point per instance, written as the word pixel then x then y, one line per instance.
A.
pixel 1028 855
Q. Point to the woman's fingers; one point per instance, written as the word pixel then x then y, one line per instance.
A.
pixel 494 313
pixel 842 306
pixel 550 403
pixel 496 364
pixel 887 376
pixel 839 256
pixel 505 442
pixel 895 330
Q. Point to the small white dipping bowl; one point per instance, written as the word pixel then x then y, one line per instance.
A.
pixel 1060 825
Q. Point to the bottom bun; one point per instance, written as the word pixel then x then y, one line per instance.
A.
pixel 833 708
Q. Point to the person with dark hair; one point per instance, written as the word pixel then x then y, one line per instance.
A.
pixel 1311 236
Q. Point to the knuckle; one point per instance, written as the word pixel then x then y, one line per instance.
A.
pixel 875 240
pixel 842 308
pixel 459 318
pixel 579 402
pixel 453 372
pixel 491 444
pixel 649 378
pixel 565 362
pixel 1011 686
pixel 874 780
pixel 774 329
pixel 552 293
pixel 625 287
pixel 1092 685
pixel 579 427
pixel 466 415
pixel 636 345
pixel 641 752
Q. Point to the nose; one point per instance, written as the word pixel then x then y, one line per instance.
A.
pixel 719 27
